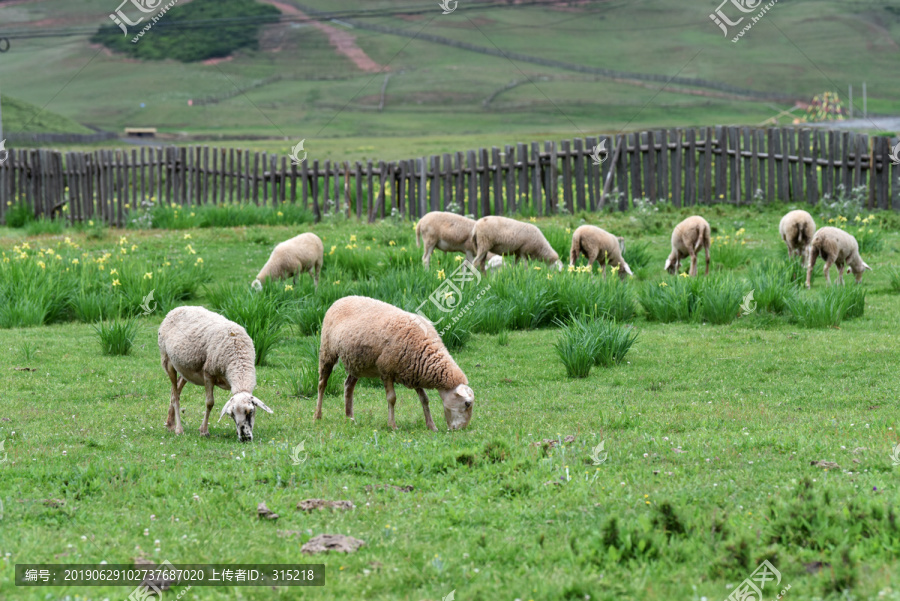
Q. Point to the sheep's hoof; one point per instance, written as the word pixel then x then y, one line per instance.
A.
pixel 204 433
pixel 179 430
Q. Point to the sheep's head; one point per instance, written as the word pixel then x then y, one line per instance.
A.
pixel 624 270
pixel 672 263
pixel 858 270
pixel 458 406
pixel 621 241
pixel 242 409
pixel 256 285
pixel 555 263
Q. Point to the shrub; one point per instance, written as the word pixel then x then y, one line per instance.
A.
pixel 828 307
pixel 116 337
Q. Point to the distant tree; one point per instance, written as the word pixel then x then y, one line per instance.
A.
pixel 180 34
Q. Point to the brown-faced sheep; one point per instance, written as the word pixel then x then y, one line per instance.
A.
pixel 376 340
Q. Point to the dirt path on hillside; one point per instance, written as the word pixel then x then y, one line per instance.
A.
pixel 343 42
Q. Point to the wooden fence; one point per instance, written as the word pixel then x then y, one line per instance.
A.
pixel 682 166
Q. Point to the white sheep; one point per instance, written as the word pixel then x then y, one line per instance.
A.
pixel 504 236
pixel 292 257
pixel 687 238
pixel 376 340
pixel 204 348
pixel 797 229
pixel 836 247
pixel 595 243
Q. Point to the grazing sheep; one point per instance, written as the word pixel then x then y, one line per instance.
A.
pixel 595 243
pixel 505 236
pixel 377 340
pixel 797 229
pixel 839 248
pixel 204 348
pixel 687 238
pixel 301 253
pixel 448 232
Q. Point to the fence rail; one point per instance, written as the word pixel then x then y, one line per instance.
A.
pixel 687 167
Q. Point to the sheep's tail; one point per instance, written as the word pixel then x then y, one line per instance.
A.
pixel 417 233
pixel 576 249
pixel 702 237
pixel 802 235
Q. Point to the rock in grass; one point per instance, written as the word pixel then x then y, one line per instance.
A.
pixel 370 488
pixel 332 542
pixel 313 504
pixel 264 512
pixel 828 465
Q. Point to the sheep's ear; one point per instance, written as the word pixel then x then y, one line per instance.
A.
pixel 668 264
pixel 465 392
pixel 260 404
pixel 226 409
pixel 621 244
pixel 866 267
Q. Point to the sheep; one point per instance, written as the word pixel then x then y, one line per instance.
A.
pixel 505 236
pixel 594 243
pixel 797 229
pixel 448 232
pixel 376 340
pixel 687 238
pixel 204 348
pixel 301 253
pixel 837 247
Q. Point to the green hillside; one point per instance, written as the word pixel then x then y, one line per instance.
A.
pixel 297 85
pixel 21 116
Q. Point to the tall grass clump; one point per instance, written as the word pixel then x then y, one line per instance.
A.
pixel 262 314
pixel 571 350
pixel 729 252
pixel 775 281
pixel 673 299
pixel 229 215
pixel 578 293
pixel 828 307
pixel 32 292
pixel 637 254
pixel 587 340
pixel 720 299
pixel 894 277
pixel 304 377
pixel 116 336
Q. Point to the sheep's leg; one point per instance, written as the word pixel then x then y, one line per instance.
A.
pixel 325 368
pixel 827 271
pixel 428 421
pixel 840 268
pixel 210 402
pixel 316 276
pixel 813 255
pixel 591 257
pixel 173 422
pixel 349 385
pixel 426 258
pixel 391 400
pixel 693 270
pixel 706 248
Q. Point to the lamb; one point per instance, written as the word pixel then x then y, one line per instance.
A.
pixel 448 232
pixel 797 229
pixel 839 248
pixel 301 253
pixel 204 348
pixel 594 243
pixel 687 238
pixel 505 236
pixel 376 340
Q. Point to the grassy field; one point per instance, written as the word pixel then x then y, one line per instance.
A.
pixel 709 432
pixel 296 86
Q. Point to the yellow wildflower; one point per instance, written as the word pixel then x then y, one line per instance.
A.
pixel 392 243
pixel 857 218
pixel 349 247
pixel 532 220
pixel 280 214
pixel 333 248
pixel 440 274
pixel 662 284
pixel 352 237
pixel 402 249
pixel 113 271
pixel 123 241
pixel 148 275
pixel 537 268
pixel 571 268
pixel 42 265
pixel 199 261
pixel 684 274
pixel 190 249
pixel 336 282
pixel 116 282
pixel 74 261
pixel 288 287
pixel 187 236
pixel 133 247
pixel 458 259
pixel 91 222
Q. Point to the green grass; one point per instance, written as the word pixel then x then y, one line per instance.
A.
pixel 709 431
